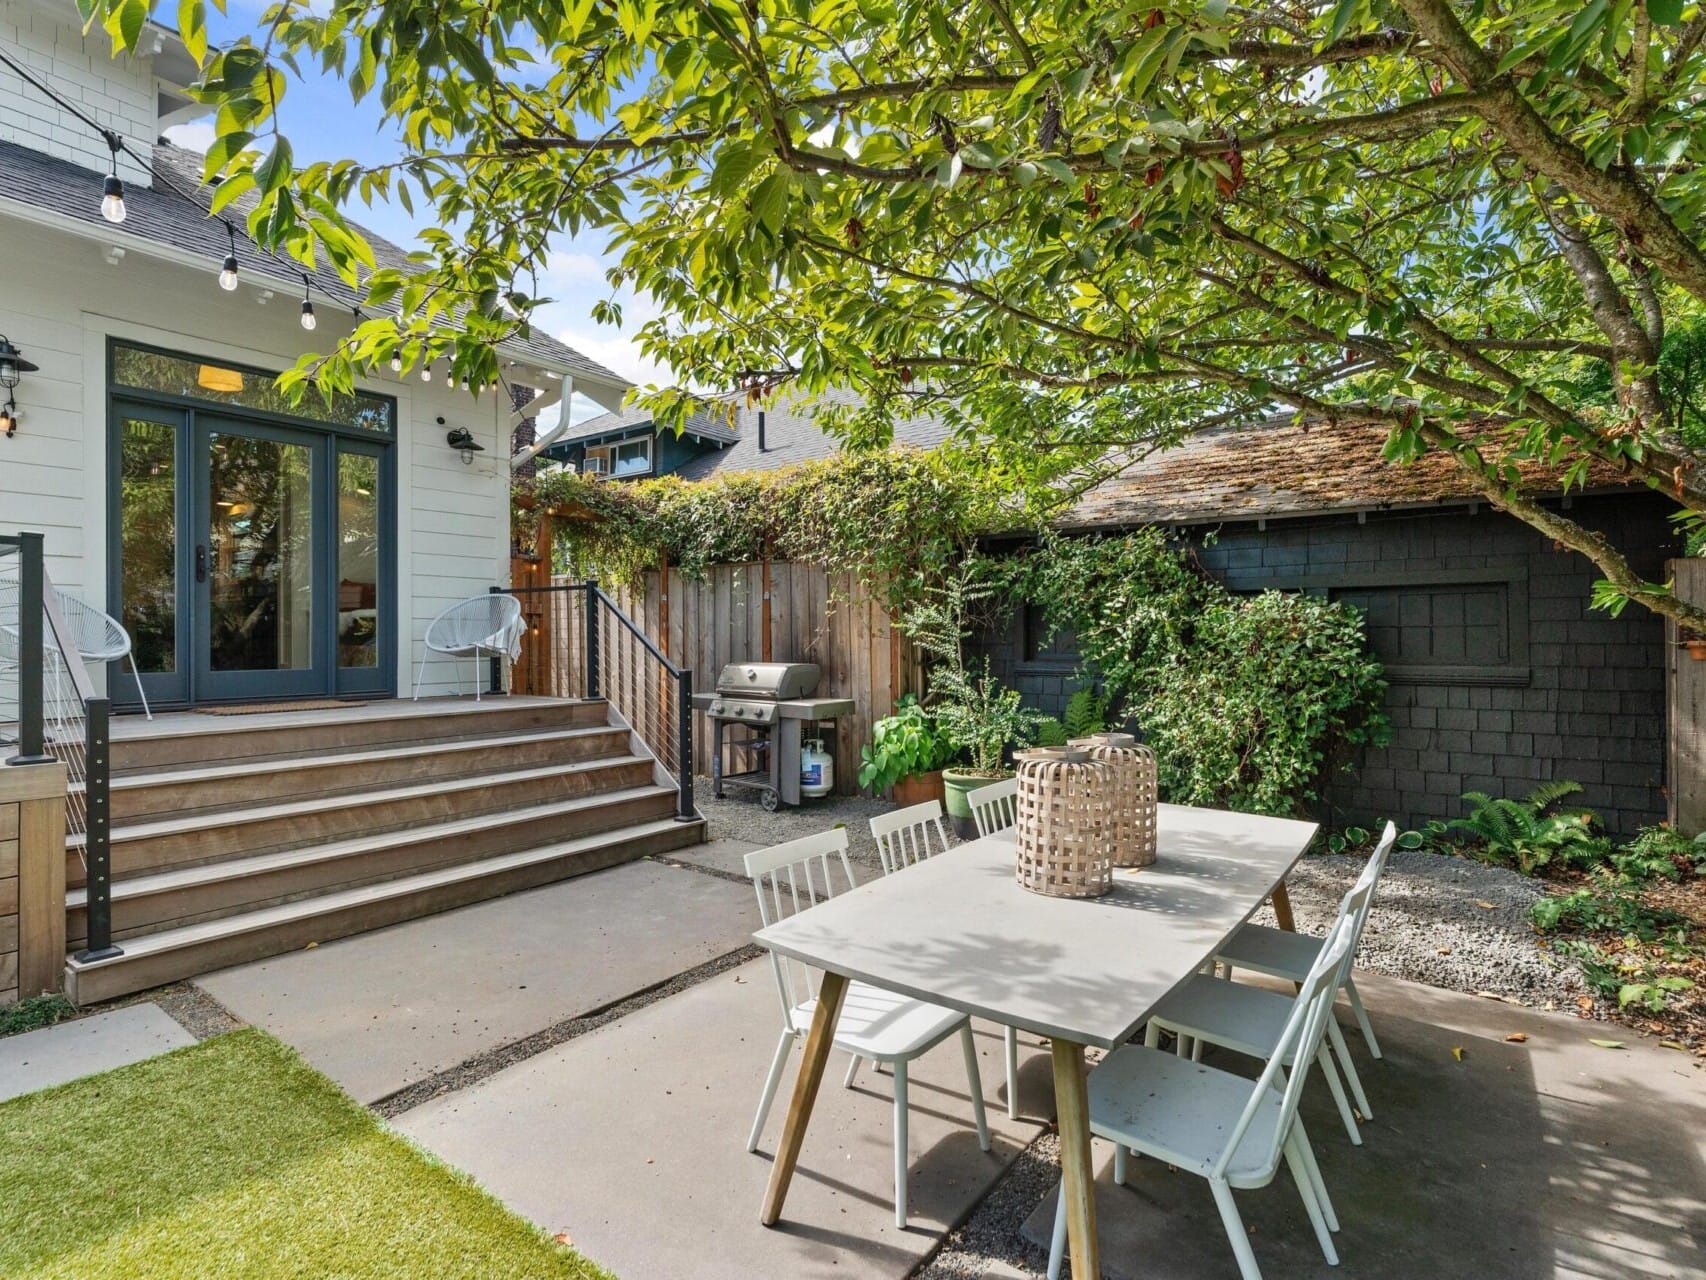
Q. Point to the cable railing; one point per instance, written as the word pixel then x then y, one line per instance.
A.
pixel 51 714
pixel 579 644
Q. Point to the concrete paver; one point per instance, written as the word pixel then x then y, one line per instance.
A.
pixel 727 854
pixel 632 1139
pixel 383 1010
pixel 1535 1160
pixel 100 1042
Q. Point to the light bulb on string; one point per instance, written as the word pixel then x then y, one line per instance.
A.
pixel 426 371
pixel 308 320
pixel 396 362
pixel 112 187
pixel 228 268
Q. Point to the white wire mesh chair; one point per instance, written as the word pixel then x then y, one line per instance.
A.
pixel 97 637
pixel 883 1026
pixel 904 839
pixel 992 807
pixel 100 637
pixel 488 625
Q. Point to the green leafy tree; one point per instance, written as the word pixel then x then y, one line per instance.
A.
pixel 1076 229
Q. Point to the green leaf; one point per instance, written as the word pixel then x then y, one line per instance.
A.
pixel 1608 1044
pixel 192 28
pixel 1667 13
pixel 274 171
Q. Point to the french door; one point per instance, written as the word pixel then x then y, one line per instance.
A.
pixel 252 559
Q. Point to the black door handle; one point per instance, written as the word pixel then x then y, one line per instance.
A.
pixel 201 564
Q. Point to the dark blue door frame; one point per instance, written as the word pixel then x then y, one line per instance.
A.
pixel 192 679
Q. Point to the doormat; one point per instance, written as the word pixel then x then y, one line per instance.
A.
pixel 257 708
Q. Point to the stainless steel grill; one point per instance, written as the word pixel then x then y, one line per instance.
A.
pixel 773 700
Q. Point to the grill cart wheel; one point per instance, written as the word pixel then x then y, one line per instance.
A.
pixel 769 799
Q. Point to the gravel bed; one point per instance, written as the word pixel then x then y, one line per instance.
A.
pixel 1445 921
pixel 739 816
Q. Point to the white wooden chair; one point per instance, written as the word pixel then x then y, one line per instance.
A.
pixel 1251 1020
pixel 910 835
pixel 480 626
pixel 1279 953
pixel 992 807
pixel 876 1024
pixel 1222 1127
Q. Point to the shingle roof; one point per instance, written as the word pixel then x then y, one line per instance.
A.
pixel 46 182
pixel 791 435
pixel 708 426
pixel 1284 468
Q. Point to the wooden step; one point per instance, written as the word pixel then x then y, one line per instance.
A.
pixel 186 740
pixel 185 895
pixel 206 837
pixel 179 953
pixel 188 790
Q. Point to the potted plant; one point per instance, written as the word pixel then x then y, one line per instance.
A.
pixel 1695 643
pixel 973 711
pixel 982 718
pixel 906 753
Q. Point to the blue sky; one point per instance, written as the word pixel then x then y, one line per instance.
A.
pixel 324 124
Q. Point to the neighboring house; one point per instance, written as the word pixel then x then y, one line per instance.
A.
pixel 1501 674
pixel 253 548
pixel 736 436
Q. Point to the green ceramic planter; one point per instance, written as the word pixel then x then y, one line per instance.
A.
pixel 956 783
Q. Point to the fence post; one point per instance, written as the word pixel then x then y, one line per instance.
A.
pixel 31 576
pixel 593 681
pixel 684 747
pixel 97 840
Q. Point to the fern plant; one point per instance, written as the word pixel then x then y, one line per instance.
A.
pixel 1531 833
pixel 1086 713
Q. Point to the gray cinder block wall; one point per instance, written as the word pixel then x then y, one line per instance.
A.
pixel 1501 675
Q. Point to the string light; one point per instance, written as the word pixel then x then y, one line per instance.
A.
pixel 308 321
pixel 396 362
pixel 112 189
pixel 426 371
pixel 228 268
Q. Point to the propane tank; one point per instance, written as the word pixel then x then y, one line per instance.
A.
pixel 817 769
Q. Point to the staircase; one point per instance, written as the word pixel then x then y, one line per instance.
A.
pixel 235 838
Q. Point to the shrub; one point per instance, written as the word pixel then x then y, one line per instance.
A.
pixel 1249 702
pixel 1663 852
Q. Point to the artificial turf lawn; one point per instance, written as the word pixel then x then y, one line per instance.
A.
pixel 232 1158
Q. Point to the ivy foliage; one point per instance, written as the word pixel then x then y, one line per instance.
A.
pixel 1250 702
pixel 898 519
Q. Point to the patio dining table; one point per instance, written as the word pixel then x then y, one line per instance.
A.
pixel 957 930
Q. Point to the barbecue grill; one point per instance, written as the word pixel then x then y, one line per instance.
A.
pixel 773 700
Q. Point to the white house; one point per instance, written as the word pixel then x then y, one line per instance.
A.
pixel 252 548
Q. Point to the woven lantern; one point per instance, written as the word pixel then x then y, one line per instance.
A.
pixel 1135 794
pixel 1064 808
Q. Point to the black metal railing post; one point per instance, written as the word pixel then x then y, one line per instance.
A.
pixel 684 747
pixel 494 664
pixel 31 661
pixel 97 837
pixel 593 675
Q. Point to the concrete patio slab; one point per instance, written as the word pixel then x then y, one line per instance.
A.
pixel 632 1139
pixel 71 1050
pixel 1538 1160
pixel 383 1010
pixel 727 854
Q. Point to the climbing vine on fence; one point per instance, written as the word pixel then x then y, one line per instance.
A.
pixel 897 518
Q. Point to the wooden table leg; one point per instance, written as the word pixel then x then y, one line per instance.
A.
pixel 819 1041
pixel 1281 898
pixel 1072 1108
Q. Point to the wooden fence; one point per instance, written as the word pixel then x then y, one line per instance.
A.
pixel 1685 679
pixel 782 612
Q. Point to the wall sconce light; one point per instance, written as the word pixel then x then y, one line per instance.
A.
pixel 462 440
pixel 12 367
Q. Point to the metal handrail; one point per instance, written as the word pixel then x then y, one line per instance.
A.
pixel 664 722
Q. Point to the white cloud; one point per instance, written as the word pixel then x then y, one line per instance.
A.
pixel 196 135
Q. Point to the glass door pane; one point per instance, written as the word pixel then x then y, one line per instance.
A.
pixel 358 560
pixel 256 567
pixel 147 570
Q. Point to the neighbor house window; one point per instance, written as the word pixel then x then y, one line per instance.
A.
pixel 626 458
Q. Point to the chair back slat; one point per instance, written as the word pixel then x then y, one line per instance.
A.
pixel 1299 1042
pixel 1370 881
pixel 994 808
pixel 791 878
pixel 909 835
